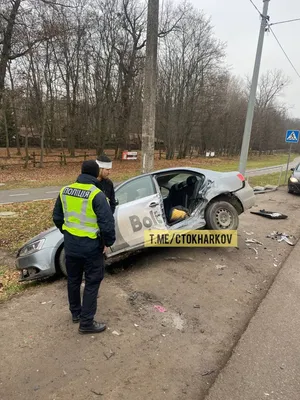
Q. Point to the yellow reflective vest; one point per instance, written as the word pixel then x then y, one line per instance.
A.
pixel 79 216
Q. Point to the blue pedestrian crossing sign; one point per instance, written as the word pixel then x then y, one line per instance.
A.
pixel 292 136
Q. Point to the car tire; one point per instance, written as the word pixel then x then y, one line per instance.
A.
pixel 62 262
pixel 290 190
pixel 221 215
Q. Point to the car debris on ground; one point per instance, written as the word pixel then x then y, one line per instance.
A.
pixel 264 189
pixel 289 239
pixel 219 266
pixel 270 214
pixel 253 241
pixel 160 309
pixel 253 248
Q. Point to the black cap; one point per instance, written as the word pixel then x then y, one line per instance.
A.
pixel 90 167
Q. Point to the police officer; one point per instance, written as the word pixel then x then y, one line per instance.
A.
pixel 104 183
pixel 83 215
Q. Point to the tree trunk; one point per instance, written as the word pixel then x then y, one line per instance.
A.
pixel 26 149
pixel 6 49
pixel 6 132
pixel 14 112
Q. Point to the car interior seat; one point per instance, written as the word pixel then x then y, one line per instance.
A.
pixel 194 185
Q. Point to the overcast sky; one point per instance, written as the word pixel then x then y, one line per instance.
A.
pixel 237 23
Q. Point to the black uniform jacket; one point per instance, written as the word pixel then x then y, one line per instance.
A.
pixel 107 188
pixel 76 246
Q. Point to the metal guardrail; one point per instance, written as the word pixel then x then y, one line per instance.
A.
pixel 276 169
pixel 279 167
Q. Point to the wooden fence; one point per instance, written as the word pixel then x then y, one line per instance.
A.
pixel 63 159
pixel 34 159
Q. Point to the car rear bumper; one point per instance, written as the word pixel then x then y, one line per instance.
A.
pixel 40 264
pixel 246 196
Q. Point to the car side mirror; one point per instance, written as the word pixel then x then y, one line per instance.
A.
pixel 292 169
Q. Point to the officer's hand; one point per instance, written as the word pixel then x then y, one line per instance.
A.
pixel 105 249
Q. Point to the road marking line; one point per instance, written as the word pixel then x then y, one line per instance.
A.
pixel 54 191
pixel 49 198
pixel 19 194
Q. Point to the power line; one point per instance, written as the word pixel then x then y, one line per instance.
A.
pixel 284 22
pixel 289 60
pixel 274 23
pixel 256 8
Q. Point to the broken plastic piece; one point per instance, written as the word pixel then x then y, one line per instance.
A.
pixel 160 308
pixel 253 248
pixel 287 240
pixel 269 214
pixel 283 237
pixel 221 266
pixel 264 189
pixel 253 241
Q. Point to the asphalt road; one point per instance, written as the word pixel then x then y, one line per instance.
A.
pixel 51 192
pixel 265 363
pixel 271 170
pixel 28 194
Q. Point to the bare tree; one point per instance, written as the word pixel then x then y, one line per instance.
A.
pixel 271 85
pixel 189 55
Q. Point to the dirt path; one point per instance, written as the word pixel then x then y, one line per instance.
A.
pixel 209 296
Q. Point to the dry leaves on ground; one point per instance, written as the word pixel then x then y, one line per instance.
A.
pixel 31 218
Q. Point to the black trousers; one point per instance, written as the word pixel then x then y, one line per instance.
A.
pixel 93 267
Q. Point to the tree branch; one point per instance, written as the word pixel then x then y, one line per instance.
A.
pixel 4 17
pixel 30 46
pixel 55 3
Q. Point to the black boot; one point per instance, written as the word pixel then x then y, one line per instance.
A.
pixel 96 327
pixel 75 319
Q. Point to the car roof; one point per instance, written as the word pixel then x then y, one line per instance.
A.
pixel 207 172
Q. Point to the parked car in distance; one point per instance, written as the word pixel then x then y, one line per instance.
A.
pixel 294 180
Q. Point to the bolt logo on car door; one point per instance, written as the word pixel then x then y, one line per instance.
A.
pixel 147 222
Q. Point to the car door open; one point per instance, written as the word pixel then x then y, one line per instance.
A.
pixel 140 208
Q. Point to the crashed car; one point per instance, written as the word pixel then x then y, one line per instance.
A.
pixel 294 180
pixel 176 198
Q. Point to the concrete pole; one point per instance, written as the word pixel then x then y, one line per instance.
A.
pixel 150 88
pixel 252 97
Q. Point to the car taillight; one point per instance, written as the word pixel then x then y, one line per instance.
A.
pixel 241 177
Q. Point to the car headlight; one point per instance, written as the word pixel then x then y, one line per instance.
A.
pixel 294 180
pixel 31 247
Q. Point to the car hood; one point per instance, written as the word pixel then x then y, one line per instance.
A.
pixel 296 174
pixel 40 235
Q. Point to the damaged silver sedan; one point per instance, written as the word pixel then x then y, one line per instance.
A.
pixel 176 198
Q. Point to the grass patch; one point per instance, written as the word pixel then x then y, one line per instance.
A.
pixel 31 219
pixel 232 164
pixel 270 179
pixel 56 175
pixel 10 285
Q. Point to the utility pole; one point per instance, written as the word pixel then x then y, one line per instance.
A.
pixel 252 97
pixel 150 84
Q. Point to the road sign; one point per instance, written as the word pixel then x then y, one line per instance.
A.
pixel 292 136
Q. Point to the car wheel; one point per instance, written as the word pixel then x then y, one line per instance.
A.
pixel 221 215
pixel 62 262
pixel 290 190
